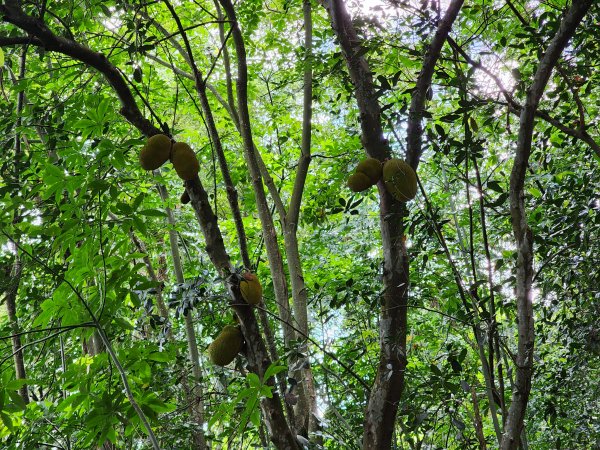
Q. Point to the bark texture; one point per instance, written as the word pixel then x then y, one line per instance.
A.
pixel 306 410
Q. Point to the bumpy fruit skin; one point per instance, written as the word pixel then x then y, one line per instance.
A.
pixel 359 182
pixel 185 198
pixel 372 168
pixel 184 161
pixel 251 289
pixel 400 180
pixel 156 152
pixel 226 345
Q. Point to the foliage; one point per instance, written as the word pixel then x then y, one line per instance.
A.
pixel 73 196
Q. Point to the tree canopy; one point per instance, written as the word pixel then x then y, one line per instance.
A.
pixel 265 301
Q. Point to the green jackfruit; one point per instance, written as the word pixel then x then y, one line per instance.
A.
pixel 251 289
pixel 226 346
pixel 359 182
pixel 400 180
pixel 184 161
pixel 156 152
pixel 372 168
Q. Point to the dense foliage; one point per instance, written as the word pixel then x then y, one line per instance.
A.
pixel 83 228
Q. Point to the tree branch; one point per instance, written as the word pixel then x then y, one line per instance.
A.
pixel 280 434
pixel 521 230
pixel 419 95
pixel 305 157
pixel 48 40
pixel 362 78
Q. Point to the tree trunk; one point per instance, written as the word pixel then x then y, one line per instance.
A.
pixel 11 307
pixel 306 409
pixel 522 232
pixel 258 359
pixel 197 391
pixel 382 407
pixel 269 232
pixel 17 268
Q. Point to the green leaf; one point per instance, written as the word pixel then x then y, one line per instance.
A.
pixel 123 323
pixel 436 370
pixel 266 391
pixel 7 421
pixel 15 385
pixel 535 192
pixel 273 370
pixel 153 213
pixel 253 380
pixel 160 357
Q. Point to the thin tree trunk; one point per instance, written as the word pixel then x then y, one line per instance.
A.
pixel 195 395
pixel 162 308
pixel 226 64
pixel 258 359
pixel 213 133
pixel 487 365
pixel 494 335
pixel 268 227
pixel 306 409
pixel 11 307
pixel 477 420
pixel 17 267
pixel 197 398
pixel 470 304
pixel 522 232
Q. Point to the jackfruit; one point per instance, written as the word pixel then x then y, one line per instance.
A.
pixel 251 289
pixel 226 345
pixel 156 152
pixel 184 161
pixel 185 198
pixel 359 182
pixel 372 168
pixel 400 180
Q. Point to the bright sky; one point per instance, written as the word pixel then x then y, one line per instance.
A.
pixel 366 6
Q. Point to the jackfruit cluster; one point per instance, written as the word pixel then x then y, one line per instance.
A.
pixel 159 148
pixel 367 174
pixel 400 179
pixel 223 350
pixel 251 289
